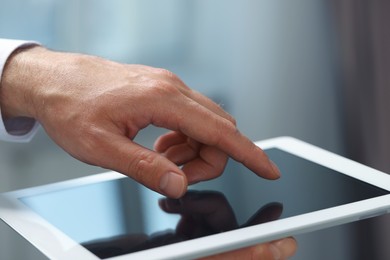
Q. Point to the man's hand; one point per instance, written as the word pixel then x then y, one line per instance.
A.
pixel 93 108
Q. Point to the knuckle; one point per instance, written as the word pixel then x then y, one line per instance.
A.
pixel 232 119
pixel 219 169
pixel 142 166
pixel 166 82
pixel 216 173
pixel 164 88
pixel 165 73
pixel 215 162
pixel 224 129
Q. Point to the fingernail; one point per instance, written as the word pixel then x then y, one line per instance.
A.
pixel 275 169
pixel 172 185
pixel 275 251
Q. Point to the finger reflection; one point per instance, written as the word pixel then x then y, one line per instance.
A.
pixel 201 213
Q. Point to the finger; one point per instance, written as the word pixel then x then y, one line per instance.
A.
pixel 209 128
pixel 286 247
pixel 168 140
pixel 208 103
pixel 266 251
pixel 262 251
pixel 201 162
pixel 208 165
pixel 143 165
pixel 174 80
pixel 177 147
pixel 181 154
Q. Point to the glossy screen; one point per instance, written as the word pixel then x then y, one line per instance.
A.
pixel 120 216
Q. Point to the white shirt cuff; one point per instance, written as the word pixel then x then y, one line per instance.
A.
pixel 16 129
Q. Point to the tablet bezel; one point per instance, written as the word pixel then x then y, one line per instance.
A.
pixel 56 245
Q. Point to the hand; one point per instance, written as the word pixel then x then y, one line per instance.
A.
pixel 93 108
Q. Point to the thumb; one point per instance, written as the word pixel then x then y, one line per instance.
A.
pixel 145 166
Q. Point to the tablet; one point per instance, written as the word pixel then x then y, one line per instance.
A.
pixel 110 216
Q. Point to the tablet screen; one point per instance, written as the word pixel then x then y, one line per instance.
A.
pixel 119 216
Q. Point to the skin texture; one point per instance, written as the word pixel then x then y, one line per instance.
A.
pixel 279 249
pixel 93 108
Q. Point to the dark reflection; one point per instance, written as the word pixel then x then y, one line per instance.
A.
pixel 201 213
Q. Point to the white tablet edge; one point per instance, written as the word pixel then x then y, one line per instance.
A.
pixel 328 159
pixel 56 245
pixel 45 237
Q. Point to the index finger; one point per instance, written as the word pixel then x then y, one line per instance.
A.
pixel 198 122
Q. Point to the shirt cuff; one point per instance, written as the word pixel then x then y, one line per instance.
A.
pixel 19 129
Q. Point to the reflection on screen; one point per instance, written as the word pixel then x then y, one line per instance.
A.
pixel 121 216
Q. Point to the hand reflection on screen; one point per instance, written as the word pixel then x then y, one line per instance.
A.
pixel 202 213
pixel 209 212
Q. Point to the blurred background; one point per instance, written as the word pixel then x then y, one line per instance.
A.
pixel 312 69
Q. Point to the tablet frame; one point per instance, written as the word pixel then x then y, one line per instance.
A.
pixel 56 245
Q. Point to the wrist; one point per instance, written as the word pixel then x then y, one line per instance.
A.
pixel 27 74
pixel 17 83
